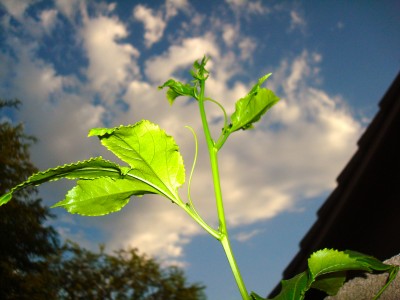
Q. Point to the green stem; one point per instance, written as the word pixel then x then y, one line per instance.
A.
pixel 192 213
pixel 224 237
pixel 222 139
pixel 235 269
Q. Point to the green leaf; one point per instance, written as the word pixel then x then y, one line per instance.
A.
pixel 6 197
pixel 153 156
pixel 327 272
pixel 199 71
pixel 254 296
pixel 102 195
pixel 335 263
pixel 329 260
pixel 177 89
pixel 252 107
pixel 330 283
pixel 370 262
pixel 294 288
pixel 155 167
pixel 88 169
pixel 374 264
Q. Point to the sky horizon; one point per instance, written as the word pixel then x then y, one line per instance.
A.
pixel 77 64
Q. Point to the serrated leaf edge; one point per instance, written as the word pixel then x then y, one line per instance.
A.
pixel 110 131
pixel 28 182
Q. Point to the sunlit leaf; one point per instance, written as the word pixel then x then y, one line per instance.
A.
pixel 177 89
pixel 88 169
pixel 327 272
pixel 199 72
pixel 252 107
pixel 102 195
pixel 329 260
pixel 155 167
pixel 152 155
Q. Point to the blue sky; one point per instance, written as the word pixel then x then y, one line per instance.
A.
pixel 76 65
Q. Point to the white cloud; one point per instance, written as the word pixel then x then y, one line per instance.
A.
pixel 17 8
pixel 174 6
pixel 241 45
pixel 297 21
pixel 157 226
pixel 153 23
pixel 60 120
pixel 277 169
pixel 34 27
pixel 247 6
pixel 66 139
pixel 257 7
pixel 68 7
pixel 244 236
pixel 161 68
pixel 264 172
pixel 33 77
pixel 236 2
pixel 303 67
pixel 111 64
pixel 247 46
pixel 229 34
pixel 48 20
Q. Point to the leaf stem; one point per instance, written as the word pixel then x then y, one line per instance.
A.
pixel 221 107
pixel 235 269
pixel 222 139
pixel 192 170
pixel 192 213
pixel 189 207
pixel 224 237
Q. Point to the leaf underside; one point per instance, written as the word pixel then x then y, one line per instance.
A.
pixel 176 89
pixel 102 195
pixel 88 169
pixel 252 107
pixel 152 155
pixel 327 272
pixel 155 167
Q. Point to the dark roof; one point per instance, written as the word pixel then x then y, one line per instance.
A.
pixel 363 211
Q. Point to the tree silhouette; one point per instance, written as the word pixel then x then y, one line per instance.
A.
pixel 33 265
pixel 26 242
pixel 125 274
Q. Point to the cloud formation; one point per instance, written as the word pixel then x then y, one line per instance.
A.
pixel 292 155
pixel 154 24
pixel 111 64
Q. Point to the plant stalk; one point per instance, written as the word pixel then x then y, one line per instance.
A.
pixel 224 237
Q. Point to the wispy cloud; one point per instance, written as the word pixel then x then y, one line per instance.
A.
pixel 153 22
pixel 17 8
pixel 265 171
pixel 292 155
pixel 297 21
pixel 244 236
pixel 248 7
pixel 179 56
pixel 111 64
pixel 67 7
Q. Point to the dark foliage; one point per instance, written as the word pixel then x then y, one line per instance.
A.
pixel 34 266
pixel 26 243
pixel 125 274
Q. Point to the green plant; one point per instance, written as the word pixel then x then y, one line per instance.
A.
pixel 155 166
